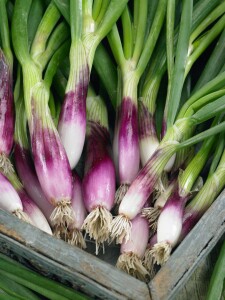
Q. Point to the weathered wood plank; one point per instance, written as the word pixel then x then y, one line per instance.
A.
pixel 197 285
pixel 85 271
pixel 186 258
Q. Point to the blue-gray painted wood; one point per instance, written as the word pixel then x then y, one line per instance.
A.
pixel 98 278
pixel 57 259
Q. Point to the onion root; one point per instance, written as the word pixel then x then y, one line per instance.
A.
pixel 121 229
pixel 98 225
pixel 132 264
pixel 161 252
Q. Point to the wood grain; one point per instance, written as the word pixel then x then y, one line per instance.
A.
pixel 98 278
pixel 78 268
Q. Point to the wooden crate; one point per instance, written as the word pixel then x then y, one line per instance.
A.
pixel 98 277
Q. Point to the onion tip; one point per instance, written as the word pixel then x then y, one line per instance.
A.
pixel 152 215
pixel 148 262
pixel 98 225
pixel 22 216
pixel 120 193
pixel 161 252
pixel 132 264
pixel 75 238
pixel 5 164
pixel 121 229
pixel 62 214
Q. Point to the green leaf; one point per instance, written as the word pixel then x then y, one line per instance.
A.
pixel 36 282
pixel 173 99
pixel 216 282
pixel 14 289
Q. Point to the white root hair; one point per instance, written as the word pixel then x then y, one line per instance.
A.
pixel 98 225
pixel 121 229
pixel 132 264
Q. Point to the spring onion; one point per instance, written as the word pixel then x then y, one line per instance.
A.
pixel 132 252
pixel 50 160
pixel 74 234
pixel 99 174
pixel 86 35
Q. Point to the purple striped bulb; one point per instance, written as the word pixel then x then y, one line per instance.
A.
pixel 72 120
pixel 99 179
pixel 77 203
pixel 51 162
pixel 139 237
pixel 50 159
pixel 99 184
pixel 169 226
pixel 74 235
pixel 6 108
pixel 128 145
pixel 148 140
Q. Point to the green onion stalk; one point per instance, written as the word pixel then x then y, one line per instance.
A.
pixel 148 139
pixel 216 289
pixel 50 159
pixel 88 28
pixel 200 12
pixel 16 272
pixel 102 63
pixel 198 43
pixel 212 69
pixel 191 43
pixel 205 197
pixel 158 65
pixel 15 290
pixel 132 58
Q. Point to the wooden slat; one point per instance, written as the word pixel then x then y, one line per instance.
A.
pixel 186 258
pixel 88 273
pixel 198 284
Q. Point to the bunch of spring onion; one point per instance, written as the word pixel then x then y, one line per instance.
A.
pixel 205 103
pixel 190 215
pixel 169 224
pixel 139 39
pixel 161 112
